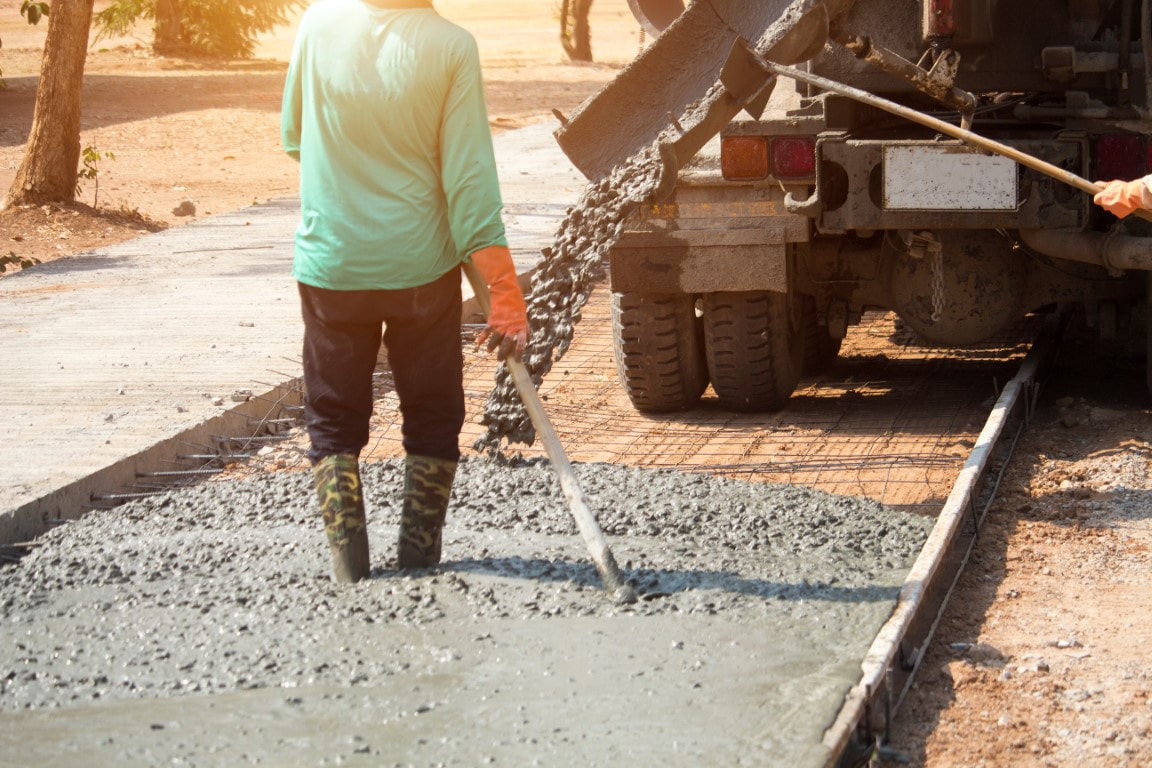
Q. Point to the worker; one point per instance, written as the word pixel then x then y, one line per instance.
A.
pixel 1123 197
pixel 384 110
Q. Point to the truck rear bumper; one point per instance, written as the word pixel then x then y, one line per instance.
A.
pixel 698 261
pixel 713 236
pixel 852 178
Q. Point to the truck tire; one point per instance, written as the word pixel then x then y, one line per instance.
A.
pixel 659 351
pixel 820 349
pixel 754 347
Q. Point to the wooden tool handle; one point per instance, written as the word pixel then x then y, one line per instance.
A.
pixel 593 537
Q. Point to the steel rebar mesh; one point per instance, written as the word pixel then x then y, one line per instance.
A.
pixel 890 420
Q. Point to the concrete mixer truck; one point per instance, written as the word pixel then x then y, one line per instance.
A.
pixel 780 226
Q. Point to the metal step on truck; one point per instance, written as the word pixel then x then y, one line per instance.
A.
pixel 795 220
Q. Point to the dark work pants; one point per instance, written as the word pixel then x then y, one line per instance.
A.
pixel 422 336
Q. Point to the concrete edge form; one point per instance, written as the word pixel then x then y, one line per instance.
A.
pixel 896 652
pixel 75 499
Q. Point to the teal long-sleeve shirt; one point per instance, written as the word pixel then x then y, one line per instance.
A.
pixel 384 109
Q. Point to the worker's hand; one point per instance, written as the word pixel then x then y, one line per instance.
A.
pixel 1120 198
pixel 507 329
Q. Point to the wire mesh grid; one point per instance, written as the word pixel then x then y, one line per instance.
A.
pixel 891 420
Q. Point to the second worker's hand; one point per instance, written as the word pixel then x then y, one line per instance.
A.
pixel 1120 198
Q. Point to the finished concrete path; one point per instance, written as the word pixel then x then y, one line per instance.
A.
pixel 112 352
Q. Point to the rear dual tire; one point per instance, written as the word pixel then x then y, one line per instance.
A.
pixel 754 347
pixel 659 350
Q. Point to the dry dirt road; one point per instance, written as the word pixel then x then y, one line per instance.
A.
pixel 1042 659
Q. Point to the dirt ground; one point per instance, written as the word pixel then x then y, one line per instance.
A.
pixel 1041 660
pixel 1042 657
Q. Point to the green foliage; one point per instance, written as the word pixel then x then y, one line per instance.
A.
pixel 117 19
pixel 90 159
pixel 230 28
pixel 225 28
pixel 34 10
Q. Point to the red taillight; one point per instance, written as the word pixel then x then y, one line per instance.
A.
pixel 1121 156
pixel 744 158
pixel 793 157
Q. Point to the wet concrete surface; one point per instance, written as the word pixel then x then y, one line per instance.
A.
pixel 202 628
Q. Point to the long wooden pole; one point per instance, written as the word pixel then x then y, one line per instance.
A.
pixel 594 539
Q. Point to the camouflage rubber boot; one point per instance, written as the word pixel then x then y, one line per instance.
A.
pixel 427 487
pixel 342 505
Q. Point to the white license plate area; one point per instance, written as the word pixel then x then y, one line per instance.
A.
pixel 947 178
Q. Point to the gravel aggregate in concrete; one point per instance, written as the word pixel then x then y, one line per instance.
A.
pixel 570 270
pixel 758 603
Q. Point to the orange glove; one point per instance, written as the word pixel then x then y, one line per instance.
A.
pixel 507 329
pixel 1120 198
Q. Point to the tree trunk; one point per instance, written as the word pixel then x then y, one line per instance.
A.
pixel 168 28
pixel 575 31
pixel 48 171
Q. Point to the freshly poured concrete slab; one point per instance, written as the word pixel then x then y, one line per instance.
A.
pixel 202 628
pixel 108 353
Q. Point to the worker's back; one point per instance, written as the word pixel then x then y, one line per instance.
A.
pixel 369 89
